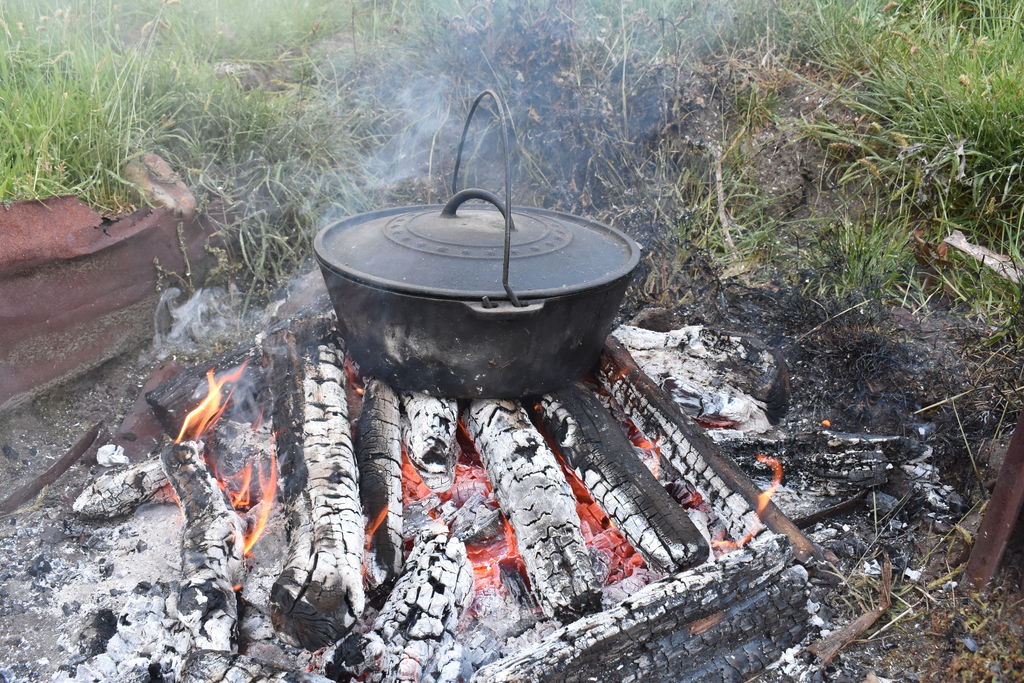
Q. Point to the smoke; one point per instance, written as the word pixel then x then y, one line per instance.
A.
pixel 590 96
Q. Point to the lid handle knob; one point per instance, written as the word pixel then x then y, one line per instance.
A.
pixel 506 211
pixel 463 196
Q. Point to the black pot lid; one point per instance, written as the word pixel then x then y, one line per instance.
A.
pixel 418 251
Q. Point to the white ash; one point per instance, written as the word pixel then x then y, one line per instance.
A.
pixel 696 360
pixel 939 497
pixel 501 626
pixel 146 636
pixel 111 454
pixel 478 520
pixel 614 593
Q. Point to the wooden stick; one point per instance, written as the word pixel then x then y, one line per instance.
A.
pixel 413 637
pixel 319 594
pixel 52 473
pixel 119 492
pixel 721 621
pixel 827 648
pixel 379 454
pixel 692 453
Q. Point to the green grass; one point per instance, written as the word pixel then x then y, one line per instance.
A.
pixel 86 85
pixel 939 86
pixel 603 116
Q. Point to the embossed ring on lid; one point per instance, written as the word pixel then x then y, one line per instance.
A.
pixel 476 234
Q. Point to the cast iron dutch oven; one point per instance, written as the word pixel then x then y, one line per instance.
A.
pixel 473 301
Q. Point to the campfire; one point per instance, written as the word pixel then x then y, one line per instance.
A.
pixel 563 536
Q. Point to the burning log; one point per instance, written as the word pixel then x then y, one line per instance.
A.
pixel 690 453
pixel 538 502
pixel 211 549
pixel 430 426
pixel 173 399
pixel 594 445
pixel 319 594
pixel 413 637
pixel 205 666
pixel 119 492
pixel 725 620
pixel 379 453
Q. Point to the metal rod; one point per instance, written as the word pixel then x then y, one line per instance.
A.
pixel 1002 514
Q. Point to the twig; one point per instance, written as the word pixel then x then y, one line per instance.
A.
pixel 827 648
pixel 723 214
pixel 32 489
pixel 883 629
pixel 944 401
pixel 838 508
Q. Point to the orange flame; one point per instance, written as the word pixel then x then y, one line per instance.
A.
pixel 268 492
pixel 763 499
pixel 210 408
pixel 237 487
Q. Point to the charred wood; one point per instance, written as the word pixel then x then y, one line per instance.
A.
pixel 319 594
pixel 283 370
pixel 537 500
pixel 691 454
pixel 413 637
pixel 140 432
pixel 725 621
pixel 831 463
pixel 172 400
pixel 119 492
pixel 595 446
pixel 212 540
pixel 206 666
pixel 379 454
pixel 429 433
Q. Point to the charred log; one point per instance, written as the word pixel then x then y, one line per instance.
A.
pixel 595 446
pixel 429 434
pixel 831 463
pixel 319 594
pixel 379 454
pixel 211 550
pixel 537 500
pixel 283 369
pixel 722 621
pixel 691 454
pixel 413 637
pixel 205 666
pixel 119 492
pixel 173 399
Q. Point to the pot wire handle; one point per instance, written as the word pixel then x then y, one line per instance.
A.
pixel 502 114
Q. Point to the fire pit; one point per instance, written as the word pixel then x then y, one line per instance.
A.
pixel 594 532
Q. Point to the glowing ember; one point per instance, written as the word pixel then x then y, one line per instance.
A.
pixel 374 524
pixel 600 533
pixel 762 502
pixel 491 559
